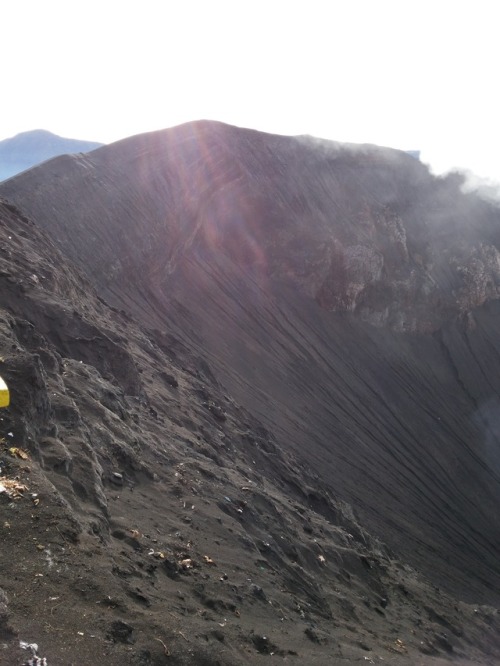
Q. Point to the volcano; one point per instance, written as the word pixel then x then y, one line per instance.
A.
pixel 256 380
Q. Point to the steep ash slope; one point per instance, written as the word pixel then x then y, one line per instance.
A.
pixel 275 257
pixel 157 521
pixel 365 229
pixel 222 236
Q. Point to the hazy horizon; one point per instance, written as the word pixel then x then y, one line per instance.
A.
pixel 410 77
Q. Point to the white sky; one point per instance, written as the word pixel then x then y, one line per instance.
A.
pixel 411 74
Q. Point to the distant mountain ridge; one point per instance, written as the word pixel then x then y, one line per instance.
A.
pixel 27 149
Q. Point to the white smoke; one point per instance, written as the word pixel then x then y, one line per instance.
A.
pixel 486 188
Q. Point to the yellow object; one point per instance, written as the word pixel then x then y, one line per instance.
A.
pixel 19 453
pixel 4 394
